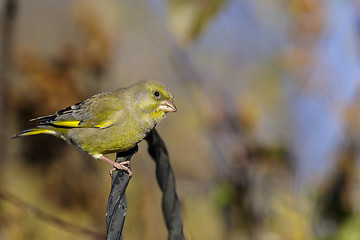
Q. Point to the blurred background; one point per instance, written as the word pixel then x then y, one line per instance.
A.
pixel 265 143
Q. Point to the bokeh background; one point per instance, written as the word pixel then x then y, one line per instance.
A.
pixel 265 143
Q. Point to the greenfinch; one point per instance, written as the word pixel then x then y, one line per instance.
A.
pixel 109 122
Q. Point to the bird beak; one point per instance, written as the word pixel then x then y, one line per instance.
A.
pixel 167 106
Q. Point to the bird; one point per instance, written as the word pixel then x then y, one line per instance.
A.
pixel 109 122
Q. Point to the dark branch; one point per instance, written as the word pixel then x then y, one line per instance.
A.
pixel 117 203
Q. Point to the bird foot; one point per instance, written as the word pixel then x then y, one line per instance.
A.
pixel 121 166
pixel 117 165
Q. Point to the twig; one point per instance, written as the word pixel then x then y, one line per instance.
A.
pixel 7 28
pixel 48 217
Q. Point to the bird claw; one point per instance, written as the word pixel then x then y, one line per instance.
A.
pixel 121 166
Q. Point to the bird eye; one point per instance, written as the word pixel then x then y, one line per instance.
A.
pixel 156 94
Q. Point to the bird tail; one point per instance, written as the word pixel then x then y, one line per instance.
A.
pixel 35 131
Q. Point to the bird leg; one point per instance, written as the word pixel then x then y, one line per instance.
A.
pixel 117 165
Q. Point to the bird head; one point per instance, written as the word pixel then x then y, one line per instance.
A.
pixel 153 98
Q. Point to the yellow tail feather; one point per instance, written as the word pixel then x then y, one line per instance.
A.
pixel 34 131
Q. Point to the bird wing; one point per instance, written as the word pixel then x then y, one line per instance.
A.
pixel 99 111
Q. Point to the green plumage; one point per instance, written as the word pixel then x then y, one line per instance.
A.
pixel 111 121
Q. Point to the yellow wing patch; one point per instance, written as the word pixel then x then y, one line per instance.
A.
pixel 72 123
pixel 79 124
pixel 105 124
